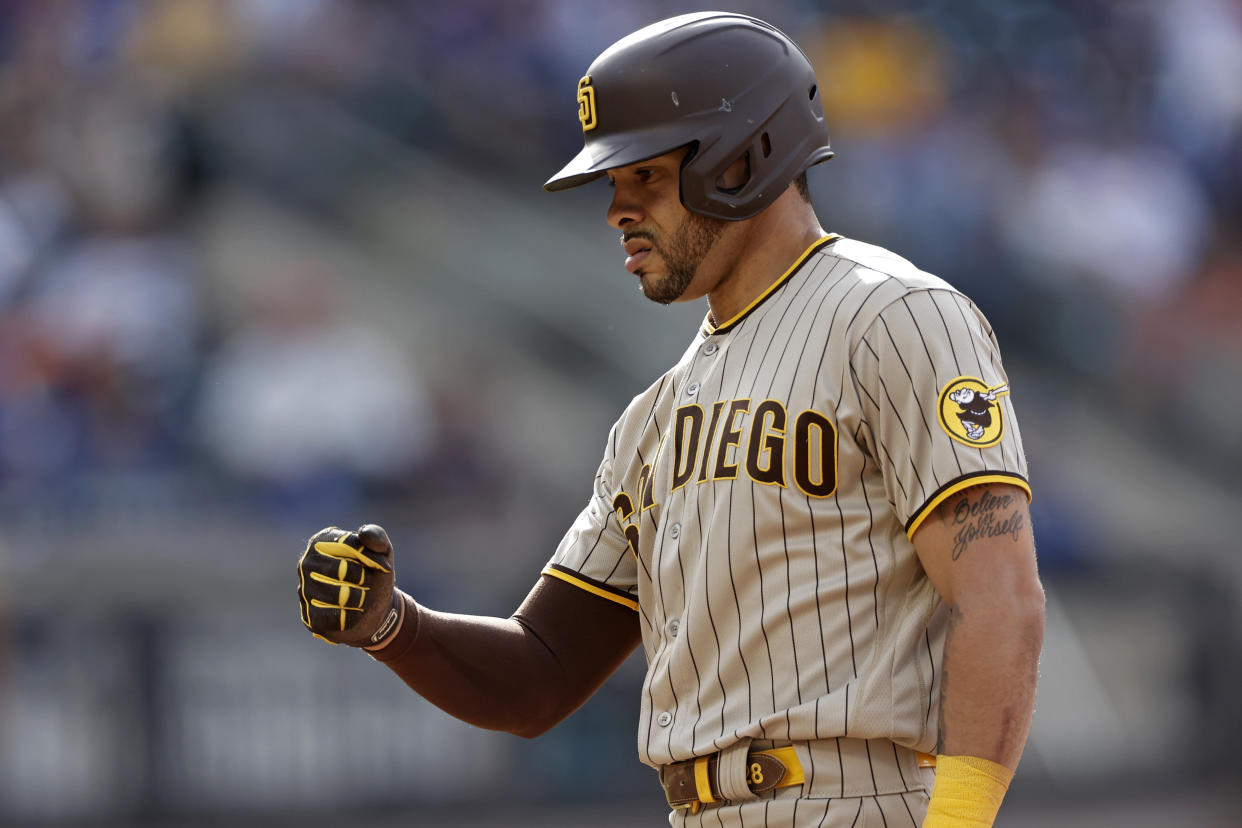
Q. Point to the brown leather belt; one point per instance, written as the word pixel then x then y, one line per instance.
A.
pixel 693 783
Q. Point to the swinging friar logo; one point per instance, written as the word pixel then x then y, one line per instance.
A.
pixel 970 411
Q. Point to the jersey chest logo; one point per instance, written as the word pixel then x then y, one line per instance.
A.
pixel 970 411
pixel 737 439
pixel 757 440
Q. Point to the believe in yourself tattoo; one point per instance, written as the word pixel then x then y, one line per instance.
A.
pixel 981 518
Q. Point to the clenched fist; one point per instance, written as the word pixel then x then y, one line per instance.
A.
pixel 345 584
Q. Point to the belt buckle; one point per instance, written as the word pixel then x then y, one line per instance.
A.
pixel 692 807
pixel 702 787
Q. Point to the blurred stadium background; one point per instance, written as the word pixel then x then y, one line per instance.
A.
pixel 267 265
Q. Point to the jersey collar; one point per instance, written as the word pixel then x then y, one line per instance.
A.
pixel 708 328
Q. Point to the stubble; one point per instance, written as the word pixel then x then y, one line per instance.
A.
pixel 683 253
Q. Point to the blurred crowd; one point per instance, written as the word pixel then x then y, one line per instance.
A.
pixel 196 330
pixel 1076 167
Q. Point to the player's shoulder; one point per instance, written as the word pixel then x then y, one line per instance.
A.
pixel 890 292
pixel 889 272
pixel 868 281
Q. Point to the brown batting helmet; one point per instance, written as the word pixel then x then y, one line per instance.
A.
pixel 726 85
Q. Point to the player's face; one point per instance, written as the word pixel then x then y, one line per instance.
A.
pixel 665 243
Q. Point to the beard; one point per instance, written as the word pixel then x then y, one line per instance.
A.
pixel 683 253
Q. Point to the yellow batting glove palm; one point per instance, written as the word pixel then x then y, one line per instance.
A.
pixel 346 586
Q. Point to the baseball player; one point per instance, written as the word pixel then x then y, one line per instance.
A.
pixel 819 538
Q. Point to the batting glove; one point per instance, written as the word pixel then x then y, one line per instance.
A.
pixel 345 585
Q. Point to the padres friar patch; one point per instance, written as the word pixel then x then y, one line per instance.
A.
pixel 970 411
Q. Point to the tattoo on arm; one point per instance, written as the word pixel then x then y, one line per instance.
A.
pixel 944 682
pixel 955 615
pixel 987 515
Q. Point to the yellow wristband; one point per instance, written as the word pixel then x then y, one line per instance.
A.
pixel 968 792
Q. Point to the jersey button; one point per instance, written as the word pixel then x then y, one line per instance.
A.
pixel 673 626
pixel 710 348
pixel 674 531
pixel 692 389
pixel 664 719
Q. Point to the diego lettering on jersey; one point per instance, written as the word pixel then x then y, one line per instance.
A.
pixel 758 440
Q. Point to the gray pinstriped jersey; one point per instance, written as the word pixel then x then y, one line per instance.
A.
pixel 755 506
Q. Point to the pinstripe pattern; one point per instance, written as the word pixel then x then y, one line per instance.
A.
pixel 772 474
pixel 897 810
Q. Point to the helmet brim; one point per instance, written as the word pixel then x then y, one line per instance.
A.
pixel 620 150
pixel 581 169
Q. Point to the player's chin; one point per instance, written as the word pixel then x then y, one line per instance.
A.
pixel 657 287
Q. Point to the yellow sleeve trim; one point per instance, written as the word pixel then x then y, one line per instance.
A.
pixel 591 588
pixel 957 486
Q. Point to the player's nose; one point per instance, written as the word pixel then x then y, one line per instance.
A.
pixel 624 209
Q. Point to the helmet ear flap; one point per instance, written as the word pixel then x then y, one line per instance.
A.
pixel 781 147
pixel 726 187
pixel 736 176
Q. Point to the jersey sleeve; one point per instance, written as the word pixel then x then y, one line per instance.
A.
pixel 936 402
pixel 595 554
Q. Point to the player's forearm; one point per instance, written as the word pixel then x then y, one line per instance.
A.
pixel 522 674
pixel 493 673
pixel 979 553
pixel 990 672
